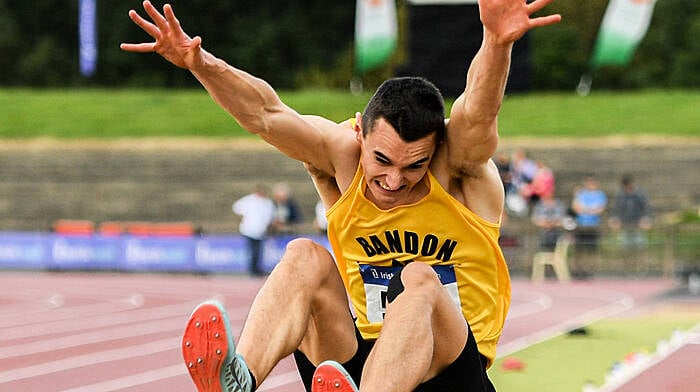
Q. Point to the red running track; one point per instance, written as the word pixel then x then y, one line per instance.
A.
pixel 80 332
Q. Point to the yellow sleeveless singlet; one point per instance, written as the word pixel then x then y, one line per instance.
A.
pixel 371 244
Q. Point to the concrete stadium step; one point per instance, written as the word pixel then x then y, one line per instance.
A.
pixel 197 184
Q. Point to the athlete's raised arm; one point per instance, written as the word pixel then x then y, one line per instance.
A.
pixel 472 131
pixel 250 100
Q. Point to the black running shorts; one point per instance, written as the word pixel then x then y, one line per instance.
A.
pixel 467 373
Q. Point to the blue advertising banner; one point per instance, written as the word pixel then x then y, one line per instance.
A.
pixel 23 250
pixel 159 254
pixel 221 254
pixel 76 252
pixel 210 254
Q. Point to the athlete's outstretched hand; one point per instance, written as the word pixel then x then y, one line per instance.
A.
pixel 508 20
pixel 171 41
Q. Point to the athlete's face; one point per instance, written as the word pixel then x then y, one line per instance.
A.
pixel 394 169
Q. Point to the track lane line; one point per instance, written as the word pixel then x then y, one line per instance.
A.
pixel 623 304
pixel 110 319
pixel 691 336
pixel 63 312
pixel 83 339
pixel 133 380
pixel 42 369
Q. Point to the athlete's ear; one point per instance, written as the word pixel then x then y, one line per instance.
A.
pixel 358 127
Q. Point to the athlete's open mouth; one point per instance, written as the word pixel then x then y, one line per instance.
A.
pixel 387 187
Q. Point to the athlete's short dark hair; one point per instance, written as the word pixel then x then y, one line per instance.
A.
pixel 412 105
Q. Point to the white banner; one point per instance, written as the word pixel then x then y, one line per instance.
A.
pixel 624 25
pixel 376 32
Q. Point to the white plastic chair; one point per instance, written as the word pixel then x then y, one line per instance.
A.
pixel 557 259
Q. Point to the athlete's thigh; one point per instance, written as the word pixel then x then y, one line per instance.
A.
pixel 457 364
pixel 331 331
pixel 448 326
pixel 466 374
pixel 450 331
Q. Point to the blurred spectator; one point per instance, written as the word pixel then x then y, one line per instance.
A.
pixel 588 204
pixel 548 216
pixel 522 168
pixel 542 184
pixel 520 173
pixel 287 214
pixel 502 162
pixel 257 212
pixel 630 216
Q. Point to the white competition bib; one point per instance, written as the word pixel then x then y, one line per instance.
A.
pixel 376 282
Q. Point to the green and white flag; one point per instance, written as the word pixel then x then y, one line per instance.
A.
pixel 376 33
pixel 624 25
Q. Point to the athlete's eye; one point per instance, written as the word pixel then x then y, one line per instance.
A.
pixel 382 160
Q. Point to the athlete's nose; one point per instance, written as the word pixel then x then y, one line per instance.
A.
pixel 393 179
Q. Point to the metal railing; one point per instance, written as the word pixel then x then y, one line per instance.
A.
pixel 671 251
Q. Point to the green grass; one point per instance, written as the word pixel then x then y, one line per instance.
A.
pixel 104 113
pixel 601 114
pixel 567 362
pixel 140 113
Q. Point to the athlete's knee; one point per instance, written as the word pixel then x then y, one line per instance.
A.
pixel 419 274
pixel 416 276
pixel 300 245
pixel 307 254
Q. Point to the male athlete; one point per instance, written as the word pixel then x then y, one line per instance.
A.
pixel 414 204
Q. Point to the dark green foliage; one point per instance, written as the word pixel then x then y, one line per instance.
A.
pixel 271 38
pixel 668 56
pixel 309 44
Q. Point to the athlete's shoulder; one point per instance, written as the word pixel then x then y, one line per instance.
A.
pixel 348 124
pixel 327 124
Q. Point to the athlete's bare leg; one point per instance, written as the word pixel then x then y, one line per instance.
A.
pixel 423 333
pixel 301 305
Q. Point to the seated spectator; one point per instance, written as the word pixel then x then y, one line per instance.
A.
pixel 630 215
pixel 521 172
pixel 287 214
pixel 588 204
pixel 522 168
pixel 542 184
pixel 503 164
pixel 548 216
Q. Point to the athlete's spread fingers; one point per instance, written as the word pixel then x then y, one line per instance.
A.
pixel 545 20
pixel 173 22
pixel 140 48
pixel 147 26
pixel 157 18
pixel 537 5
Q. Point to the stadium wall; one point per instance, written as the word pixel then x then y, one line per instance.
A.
pixel 198 182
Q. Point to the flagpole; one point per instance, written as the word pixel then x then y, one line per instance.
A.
pixel 584 84
pixel 356 87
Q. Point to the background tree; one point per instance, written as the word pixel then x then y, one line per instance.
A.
pixel 310 44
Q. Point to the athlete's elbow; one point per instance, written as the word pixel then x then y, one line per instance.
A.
pixel 251 122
